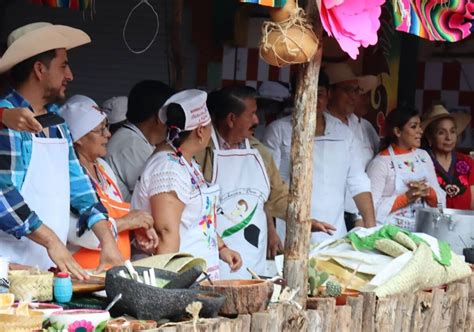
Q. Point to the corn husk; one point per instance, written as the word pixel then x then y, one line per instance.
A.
pixel 422 272
pixel 390 247
pixel 405 241
pixel 343 275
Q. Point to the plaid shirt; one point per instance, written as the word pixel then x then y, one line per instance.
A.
pixel 16 218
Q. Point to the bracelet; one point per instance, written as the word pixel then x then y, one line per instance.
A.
pixel 223 246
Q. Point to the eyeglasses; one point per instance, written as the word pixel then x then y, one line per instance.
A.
pixel 349 89
pixel 103 130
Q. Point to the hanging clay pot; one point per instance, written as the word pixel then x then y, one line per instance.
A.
pixel 288 38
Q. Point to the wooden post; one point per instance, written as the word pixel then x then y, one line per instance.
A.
pixel 368 315
pixel 299 201
pixel 357 305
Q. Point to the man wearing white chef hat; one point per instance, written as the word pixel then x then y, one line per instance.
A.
pixel 40 176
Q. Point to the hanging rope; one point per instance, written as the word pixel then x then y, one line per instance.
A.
pixel 147 3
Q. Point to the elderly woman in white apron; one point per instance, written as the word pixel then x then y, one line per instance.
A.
pixel 174 190
pixel 403 177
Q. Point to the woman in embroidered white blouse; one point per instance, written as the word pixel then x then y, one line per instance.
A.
pixel 402 175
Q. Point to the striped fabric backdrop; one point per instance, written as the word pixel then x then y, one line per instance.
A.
pixel 244 66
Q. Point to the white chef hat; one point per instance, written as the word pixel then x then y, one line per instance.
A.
pixel 82 115
pixel 116 109
pixel 273 90
pixel 193 103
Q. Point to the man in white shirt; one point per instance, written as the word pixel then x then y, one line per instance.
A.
pixel 132 144
pixel 334 171
pixel 344 94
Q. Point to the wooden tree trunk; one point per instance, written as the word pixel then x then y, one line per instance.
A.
pixel 304 124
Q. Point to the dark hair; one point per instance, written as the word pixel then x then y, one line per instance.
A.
pixel 175 122
pixel 229 100
pixel 323 80
pixel 21 71
pixel 145 100
pixel 397 118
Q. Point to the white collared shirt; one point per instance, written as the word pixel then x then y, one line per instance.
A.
pixel 335 172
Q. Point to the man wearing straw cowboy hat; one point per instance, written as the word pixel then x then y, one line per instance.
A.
pixel 344 89
pixel 40 176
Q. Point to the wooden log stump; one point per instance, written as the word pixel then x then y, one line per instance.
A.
pixel 357 307
pixel 315 323
pixel 242 296
pixel 459 308
pixel 343 319
pixel 260 322
pixel 432 318
pixel 420 310
pixel 368 315
pixel 246 322
pixel 327 308
pixel 385 314
pixel 406 302
pixel 469 326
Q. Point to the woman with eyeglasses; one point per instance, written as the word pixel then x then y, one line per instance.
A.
pixel 402 176
pixel 90 134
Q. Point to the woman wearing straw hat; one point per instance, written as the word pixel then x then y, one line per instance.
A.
pixel 172 186
pixel 454 170
pixel 402 175
pixel 89 131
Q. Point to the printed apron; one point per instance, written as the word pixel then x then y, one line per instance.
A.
pixel 89 258
pixel 46 191
pixel 408 167
pixel 200 237
pixel 241 219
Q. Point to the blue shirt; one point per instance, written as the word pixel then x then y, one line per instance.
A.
pixel 16 218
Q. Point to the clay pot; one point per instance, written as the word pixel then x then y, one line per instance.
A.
pixel 342 299
pixel 298 46
pixel 284 13
pixel 242 296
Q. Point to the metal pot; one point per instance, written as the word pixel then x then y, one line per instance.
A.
pixel 453 226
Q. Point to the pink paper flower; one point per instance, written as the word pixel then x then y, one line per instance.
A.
pixel 353 23
pixel 81 326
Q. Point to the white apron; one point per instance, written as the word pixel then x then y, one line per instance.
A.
pixel 46 191
pixel 408 167
pixel 330 170
pixel 200 237
pixel 241 219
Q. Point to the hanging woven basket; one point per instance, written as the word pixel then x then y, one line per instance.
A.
pixel 288 42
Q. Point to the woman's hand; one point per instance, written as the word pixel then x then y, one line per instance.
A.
pixel 147 240
pixel 417 190
pixel 231 257
pixel 135 219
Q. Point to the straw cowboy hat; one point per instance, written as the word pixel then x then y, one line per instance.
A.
pixel 35 38
pixel 440 112
pixel 342 72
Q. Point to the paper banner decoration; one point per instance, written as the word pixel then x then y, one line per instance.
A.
pixel 268 3
pixel 442 20
pixel 353 23
pixel 71 4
